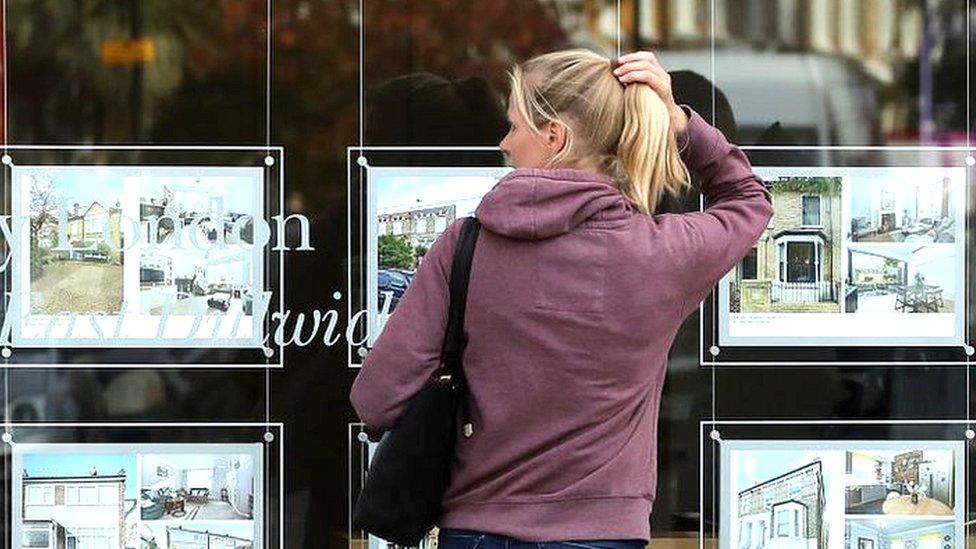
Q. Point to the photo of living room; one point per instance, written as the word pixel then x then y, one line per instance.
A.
pixel 197 487
pixel 899 533
pixel 904 278
pixel 917 482
pixel 198 255
pixel 904 205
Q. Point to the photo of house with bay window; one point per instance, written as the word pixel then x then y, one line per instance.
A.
pixel 78 502
pixel 796 263
pixel 785 511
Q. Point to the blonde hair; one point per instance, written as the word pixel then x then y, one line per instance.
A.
pixel 624 130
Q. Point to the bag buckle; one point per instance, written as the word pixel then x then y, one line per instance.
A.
pixel 468 430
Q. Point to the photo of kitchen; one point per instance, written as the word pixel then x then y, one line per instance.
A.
pixel 899 533
pixel 918 482
pixel 197 487
pixel 902 278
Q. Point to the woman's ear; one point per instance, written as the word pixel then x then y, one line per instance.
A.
pixel 556 135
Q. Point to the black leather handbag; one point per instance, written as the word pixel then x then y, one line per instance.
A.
pixel 405 483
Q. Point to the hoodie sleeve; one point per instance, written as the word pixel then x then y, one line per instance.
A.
pixel 707 244
pixel 409 349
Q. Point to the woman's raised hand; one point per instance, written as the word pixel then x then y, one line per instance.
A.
pixel 642 67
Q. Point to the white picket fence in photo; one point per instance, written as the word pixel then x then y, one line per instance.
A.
pixel 803 292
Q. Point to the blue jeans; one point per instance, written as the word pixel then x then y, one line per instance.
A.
pixel 450 538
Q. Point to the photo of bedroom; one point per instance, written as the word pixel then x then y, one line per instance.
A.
pixel 197 487
pixel 900 482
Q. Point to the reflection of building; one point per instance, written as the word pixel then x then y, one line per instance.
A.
pixel 74 512
pixel 795 265
pixel 87 226
pixel 419 227
pixel 182 538
pixel 785 512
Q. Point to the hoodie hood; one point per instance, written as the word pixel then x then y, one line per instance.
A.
pixel 534 204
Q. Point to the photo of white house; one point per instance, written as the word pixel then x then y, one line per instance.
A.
pixel 198 255
pixel 905 205
pixel 85 501
pixel 904 278
pixel 197 487
pixel 888 533
pixel 161 535
pixel 900 482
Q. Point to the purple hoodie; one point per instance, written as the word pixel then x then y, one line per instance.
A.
pixel 574 302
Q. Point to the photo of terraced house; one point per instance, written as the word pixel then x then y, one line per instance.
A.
pixel 785 511
pixel 87 276
pixel 184 270
pixel 79 502
pixel 912 205
pixel 197 536
pixel 796 264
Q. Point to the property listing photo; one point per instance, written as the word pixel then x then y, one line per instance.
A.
pixel 197 487
pixel 783 499
pixel 904 205
pixel 198 254
pixel 76 268
pixel 795 266
pixel 918 482
pixel 78 501
pixel 888 533
pixel 158 535
pixel 901 278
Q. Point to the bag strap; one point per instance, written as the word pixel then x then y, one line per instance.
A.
pixel 454 339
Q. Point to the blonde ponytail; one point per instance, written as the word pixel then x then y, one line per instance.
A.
pixel 625 131
pixel 648 150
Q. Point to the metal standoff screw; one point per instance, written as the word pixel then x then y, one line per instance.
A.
pixel 362 352
pixel 6 159
pixel 6 352
pixel 970 434
pixel 269 161
pixel 268 436
pixel 969 349
pixel 337 296
pixel 362 161
pixel 362 437
pixel 7 438
pixel 715 435
pixel 713 350
pixel 970 160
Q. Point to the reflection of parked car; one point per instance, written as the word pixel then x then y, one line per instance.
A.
pixel 393 282
pixel 219 303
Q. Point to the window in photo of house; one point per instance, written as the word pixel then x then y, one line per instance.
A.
pixel 783 523
pixel 745 535
pixel 772 202
pixel 750 264
pixel 40 495
pixel 811 211
pixel 796 522
pixel 36 538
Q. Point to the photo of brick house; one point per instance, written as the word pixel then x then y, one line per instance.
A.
pixel 784 512
pixel 796 263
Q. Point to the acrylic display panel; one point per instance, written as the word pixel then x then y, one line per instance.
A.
pixel 121 252
pixel 842 489
pixel 865 260
pixel 219 487
pixel 399 205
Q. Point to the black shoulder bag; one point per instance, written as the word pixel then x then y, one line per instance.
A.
pixel 408 475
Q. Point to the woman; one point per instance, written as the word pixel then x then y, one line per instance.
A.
pixel 577 290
